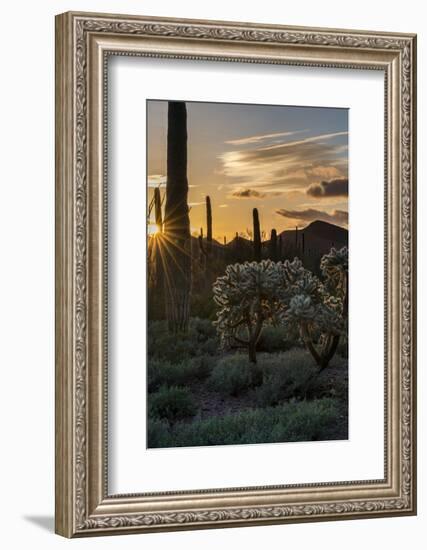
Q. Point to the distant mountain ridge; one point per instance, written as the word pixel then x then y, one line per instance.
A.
pixel 319 232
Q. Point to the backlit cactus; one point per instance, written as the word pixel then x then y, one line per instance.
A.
pixel 177 247
pixel 257 236
pixel 273 246
pixel 247 298
pixel 208 226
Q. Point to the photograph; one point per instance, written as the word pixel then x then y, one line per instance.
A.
pixel 227 354
pixel 247 273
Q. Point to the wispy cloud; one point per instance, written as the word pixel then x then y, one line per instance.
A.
pixel 223 206
pixel 293 164
pixel 155 180
pixel 339 217
pixel 257 138
pixel 333 188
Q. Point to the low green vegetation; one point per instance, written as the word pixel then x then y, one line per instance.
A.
pixel 172 404
pixel 234 374
pixel 220 398
pixel 294 421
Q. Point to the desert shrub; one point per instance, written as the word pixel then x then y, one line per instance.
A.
pixel 285 375
pixel 201 339
pixel 165 373
pixel 202 304
pixel 332 382
pixel 342 349
pixel 234 374
pixel 296 421
pixel 171 404
pixel 158 433
pixel 274 339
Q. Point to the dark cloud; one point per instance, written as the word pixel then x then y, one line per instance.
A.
pixel 310 215
pixel 248 193
pixel 333 188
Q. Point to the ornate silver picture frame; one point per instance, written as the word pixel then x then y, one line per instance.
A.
pixel 84 42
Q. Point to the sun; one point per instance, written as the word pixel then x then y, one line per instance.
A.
pixel 152 229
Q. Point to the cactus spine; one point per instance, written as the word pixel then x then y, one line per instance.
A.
pixel 257 236
pixel 177 222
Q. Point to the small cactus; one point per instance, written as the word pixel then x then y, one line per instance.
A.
pixel 257 236
pixel 208 226
pixel 273 246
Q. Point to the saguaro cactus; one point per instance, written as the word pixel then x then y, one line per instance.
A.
pixel 296 240
pixel 237 247
pixel 158 210
pixel 202 250
pixel 273 245
pixel 177 222
pixel 257 236
pixel 208 226
pixel 158 248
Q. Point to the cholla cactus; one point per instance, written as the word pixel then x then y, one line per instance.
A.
pixel 258 293
pixel 317 313
pixel 248 296
pixel 334 268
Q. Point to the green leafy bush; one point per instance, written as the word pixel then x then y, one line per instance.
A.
pixel 234 374
pixel 171 404
pixel 296 421
pixel 285 375
pixel 274 339
pixel 165 373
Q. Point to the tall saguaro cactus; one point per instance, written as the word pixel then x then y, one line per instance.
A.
pixel 257 236
pixel 158 210
pixel 273 246
pixel 208 226
pixel 296 240
pixel 158 248
pixel 177 222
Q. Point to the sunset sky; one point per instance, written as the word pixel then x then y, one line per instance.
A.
pixel 289 162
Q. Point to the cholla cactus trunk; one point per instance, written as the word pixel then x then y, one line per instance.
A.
pixel 273 246
pixel 303 244
pixel 208 226
pixel 177 222
pixel 257 236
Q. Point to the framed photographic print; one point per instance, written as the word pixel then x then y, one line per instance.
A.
pixel 235 274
